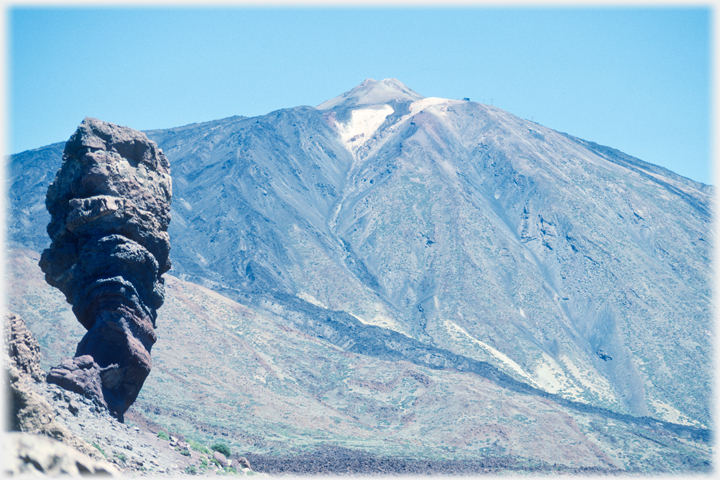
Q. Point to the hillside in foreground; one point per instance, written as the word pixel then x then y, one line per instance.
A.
pixel 225 372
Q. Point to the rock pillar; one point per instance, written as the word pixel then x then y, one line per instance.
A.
pixel 110 212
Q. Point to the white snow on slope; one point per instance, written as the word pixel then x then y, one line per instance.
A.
pixel 372 92
pixel 436 105
pixel 363 124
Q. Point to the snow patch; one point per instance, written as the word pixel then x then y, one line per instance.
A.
pixel 589 380
pixel 436 105
pixel 551 378
pixel 363 124
pixel 455 329
pixel 381 320
pixel 448 168
pixel 186 204
pixel 672 414
pixel 372 92
pixel 310 299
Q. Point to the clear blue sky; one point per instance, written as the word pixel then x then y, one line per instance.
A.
pixel 638 80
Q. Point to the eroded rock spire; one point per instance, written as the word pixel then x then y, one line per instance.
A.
pixel 110 211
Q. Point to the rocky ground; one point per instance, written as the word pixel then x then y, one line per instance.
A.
pixel 133 450
pixel 63 432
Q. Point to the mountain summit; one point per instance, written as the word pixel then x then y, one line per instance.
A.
pixel 361 114
pixel 372 92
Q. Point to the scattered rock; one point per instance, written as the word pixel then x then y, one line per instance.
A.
pixel 110 211
pixel 73 407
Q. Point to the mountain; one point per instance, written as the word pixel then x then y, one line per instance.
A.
pixel 444 237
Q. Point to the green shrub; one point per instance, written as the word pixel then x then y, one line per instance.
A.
pixel 204 463
pixel 222 448
pixel 198 447
pixel 191 469
pixel 185 452
pixel 163 435
pixel 100 449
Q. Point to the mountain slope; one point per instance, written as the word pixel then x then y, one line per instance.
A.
pixel 541 246
pixel 462 226
pixel 223 371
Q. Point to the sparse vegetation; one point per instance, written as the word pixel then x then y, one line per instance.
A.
pixel 191 470
pixel 99 449
pixel 222 448
pixel 163 435
pixel 198 447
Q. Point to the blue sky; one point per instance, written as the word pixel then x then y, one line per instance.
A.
pixel 638 79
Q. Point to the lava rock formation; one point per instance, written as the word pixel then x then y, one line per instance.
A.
pixel 110 212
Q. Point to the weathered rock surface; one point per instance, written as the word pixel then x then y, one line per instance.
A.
pixel 240 462
pixel 80 375
pixel 30 412
pixel 110 211
pixel 22 348
pixel 27 454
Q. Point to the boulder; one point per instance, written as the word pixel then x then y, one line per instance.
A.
pixel 603 354
pixel 240 462
pixel 80 375
pixel 221 459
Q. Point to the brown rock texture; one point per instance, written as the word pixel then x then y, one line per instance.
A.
pixel 110 211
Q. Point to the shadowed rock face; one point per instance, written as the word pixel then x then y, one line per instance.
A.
pixel 110 211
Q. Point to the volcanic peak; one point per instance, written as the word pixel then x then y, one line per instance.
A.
pixel 357 115
pixel 372 92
